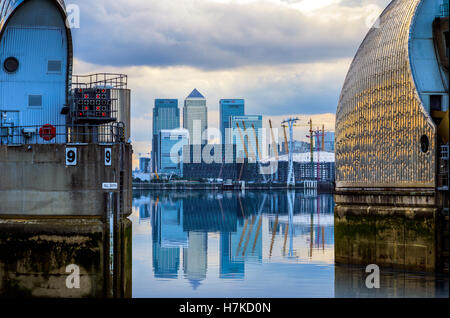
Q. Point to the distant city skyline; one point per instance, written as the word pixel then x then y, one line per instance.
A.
pixel 282 57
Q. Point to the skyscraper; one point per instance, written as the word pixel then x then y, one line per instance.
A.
pixel 229 107
pixel 248 134
pixel 195 117
pixel 170 150
pixel 166 115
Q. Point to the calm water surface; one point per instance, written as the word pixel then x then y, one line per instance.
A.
pixel 253 244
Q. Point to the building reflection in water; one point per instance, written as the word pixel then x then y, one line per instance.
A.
pixel 256 227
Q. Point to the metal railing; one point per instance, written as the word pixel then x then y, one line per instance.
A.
pixel 443 169
pixel 109 80
pixel 62 134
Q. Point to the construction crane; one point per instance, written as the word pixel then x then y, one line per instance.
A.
pixel 245 149
pixel 250 147
pixel 258 152
pixel 274 146
pixel 320 146
pixel 274 143
pixel 320 136
pixel 242 140
pixel 311 146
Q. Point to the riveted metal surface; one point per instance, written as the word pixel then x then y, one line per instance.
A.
pixel 380 118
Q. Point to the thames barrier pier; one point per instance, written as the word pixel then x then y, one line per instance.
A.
pixel 62 137
pixel 65 162
pixel 392 133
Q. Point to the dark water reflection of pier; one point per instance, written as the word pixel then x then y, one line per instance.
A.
pixel 196 244
pixel 40 258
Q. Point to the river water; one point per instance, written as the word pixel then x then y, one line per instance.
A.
pixel 196 244
pixel 250 244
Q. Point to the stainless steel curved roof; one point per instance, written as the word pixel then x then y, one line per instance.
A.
pixel 380 118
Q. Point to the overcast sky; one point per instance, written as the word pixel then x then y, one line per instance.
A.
pixel 282 56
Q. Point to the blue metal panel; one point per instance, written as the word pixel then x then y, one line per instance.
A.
pixel 34 44
pixel 34 47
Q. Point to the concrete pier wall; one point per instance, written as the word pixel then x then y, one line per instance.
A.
pixel 35 180
pixel 34 255
pixel 396 230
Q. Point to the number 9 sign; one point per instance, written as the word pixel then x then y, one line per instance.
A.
pixel 108 156
pixel 71 156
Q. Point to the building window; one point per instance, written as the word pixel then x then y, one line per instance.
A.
pixel 54 66
pixel 34 100
pixel 424 143
pixel 11 64
pixel 435 102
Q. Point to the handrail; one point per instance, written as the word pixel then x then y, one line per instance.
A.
pixel 62 134
pixel 112 80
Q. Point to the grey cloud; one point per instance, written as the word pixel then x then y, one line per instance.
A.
pixel 208 35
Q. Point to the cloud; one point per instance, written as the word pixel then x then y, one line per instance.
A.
pixel 283 57
pixel 304 90
pixel 213 34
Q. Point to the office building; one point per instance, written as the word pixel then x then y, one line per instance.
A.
pixel 245 134
pixel 170 151
pixel 195 117
pixel 166 115
pixel 144 164
pixel 228 108
pixel 329 141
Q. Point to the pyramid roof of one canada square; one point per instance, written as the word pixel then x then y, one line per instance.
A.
pixel 195 94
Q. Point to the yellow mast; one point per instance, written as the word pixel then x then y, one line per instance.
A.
pixel 242 140
pixel 286 147
pixel 274 232
pixel 257 142
pixel 250 147
pixel 274 143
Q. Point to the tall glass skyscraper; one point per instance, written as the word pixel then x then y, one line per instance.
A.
pixel 228 108
pixel 195 117
pixel 166 115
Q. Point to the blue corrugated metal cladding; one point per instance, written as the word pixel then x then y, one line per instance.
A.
pixel 35 62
